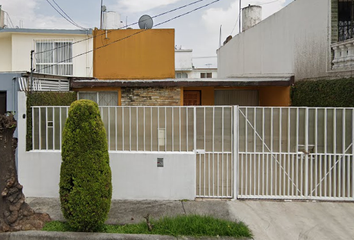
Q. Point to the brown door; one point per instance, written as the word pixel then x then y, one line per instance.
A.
pixel 191 98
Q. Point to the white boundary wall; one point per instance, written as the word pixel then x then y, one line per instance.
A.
pixel 134 175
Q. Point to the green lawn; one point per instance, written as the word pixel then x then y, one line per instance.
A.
pixel 184 225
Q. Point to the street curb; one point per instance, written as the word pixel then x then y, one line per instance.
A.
pixel 43 235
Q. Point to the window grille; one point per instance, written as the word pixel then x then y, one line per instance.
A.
pixel 345 19
pixel 54 57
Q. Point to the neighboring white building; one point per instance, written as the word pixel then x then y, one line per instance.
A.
pixel 310 39
pixel 184 66
pixel 55 51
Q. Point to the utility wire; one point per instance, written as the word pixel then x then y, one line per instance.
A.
pixel 68 16
pixel 175 9
pixel 268 2
pixel 238 19
pixel 129 36
pixel 134 23
pixel 67 19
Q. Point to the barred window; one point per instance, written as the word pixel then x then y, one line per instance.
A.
pixel 54 57
pixel 345 19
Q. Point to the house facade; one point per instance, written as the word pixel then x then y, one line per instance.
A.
pixel 184 67
pixel 55 51
pixel 54 61
pixel 139 67
pixel 309 39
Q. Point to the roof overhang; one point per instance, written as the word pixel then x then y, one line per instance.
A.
pixel 181 82
pixel 52 76
pixel 47 31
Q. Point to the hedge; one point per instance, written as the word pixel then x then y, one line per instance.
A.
pixel 323 93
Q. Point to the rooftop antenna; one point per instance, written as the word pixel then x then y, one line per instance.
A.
pixel 145 22
pixel 103 9
pixel 239 17
pixel 220 37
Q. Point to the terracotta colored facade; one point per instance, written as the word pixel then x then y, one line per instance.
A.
pixel 134 54
pixel 148 56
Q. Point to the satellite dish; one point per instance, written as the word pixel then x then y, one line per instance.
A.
pixel 145 22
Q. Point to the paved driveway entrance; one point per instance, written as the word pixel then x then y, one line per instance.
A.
pixel 296 220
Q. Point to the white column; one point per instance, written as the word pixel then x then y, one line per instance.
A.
pixel 343 56
pixel 336 57
pixel 350 54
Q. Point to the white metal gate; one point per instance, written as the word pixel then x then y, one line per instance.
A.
pixel 215 155
pixel 241 152
pixel 296 153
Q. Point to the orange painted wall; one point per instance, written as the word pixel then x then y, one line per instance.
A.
pixel 268 96
pixel 274 96
pixel 134 54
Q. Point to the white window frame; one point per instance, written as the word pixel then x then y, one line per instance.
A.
pixel 98 95
pixel 54 66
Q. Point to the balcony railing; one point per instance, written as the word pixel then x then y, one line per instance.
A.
pixel 343 57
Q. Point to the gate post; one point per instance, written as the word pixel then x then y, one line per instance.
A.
pixel 235 150
pixel 307 152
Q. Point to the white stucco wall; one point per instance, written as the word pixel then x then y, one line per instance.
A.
pixel 5 53
pixel 17 47
pixel 294 40
pixel 183 59
pixel 134 175
pixel 196 72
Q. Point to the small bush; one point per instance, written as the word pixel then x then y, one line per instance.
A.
pixel 323 93
pixel 85 176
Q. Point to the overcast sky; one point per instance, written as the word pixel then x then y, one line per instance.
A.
pixel 198 30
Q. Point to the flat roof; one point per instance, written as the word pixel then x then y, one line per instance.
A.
pixel 185 82
pixel 48 31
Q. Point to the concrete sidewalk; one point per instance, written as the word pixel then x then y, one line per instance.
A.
pixel 271 220
pixel 267 219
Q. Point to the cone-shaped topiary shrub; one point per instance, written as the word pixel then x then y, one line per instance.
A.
pixel 85 176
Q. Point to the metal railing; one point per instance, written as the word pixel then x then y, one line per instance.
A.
pixel 248 152
pixel 168 129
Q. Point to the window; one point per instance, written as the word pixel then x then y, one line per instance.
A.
pixel 181 75
pixel 345 19
pixel 236 97
pixel 101 98
pixel 54 57
pixel 206 75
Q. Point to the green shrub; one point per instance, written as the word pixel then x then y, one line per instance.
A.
pixel 323 93
pixel 85 176
pixel 45 99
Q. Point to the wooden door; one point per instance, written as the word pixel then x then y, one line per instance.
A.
pixel 191 98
